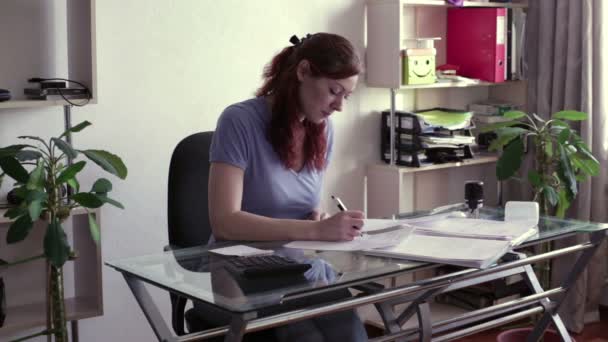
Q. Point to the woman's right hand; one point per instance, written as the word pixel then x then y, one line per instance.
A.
pixel 343 226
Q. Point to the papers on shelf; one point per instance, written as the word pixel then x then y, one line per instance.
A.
pixel 444 118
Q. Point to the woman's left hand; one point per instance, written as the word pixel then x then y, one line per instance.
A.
pixel 316 215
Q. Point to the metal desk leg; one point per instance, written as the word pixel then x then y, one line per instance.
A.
pixel 388 317
pixel 74 330
pixel 550 314
pixel 236 330
pixel 424 322
pixel 158 324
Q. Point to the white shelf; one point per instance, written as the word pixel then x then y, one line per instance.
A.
pixel 75 211
pixel 34 314
pixel 477 160
pixel 86 299
pixel 442 3
pixel 454 85
pixel 17 104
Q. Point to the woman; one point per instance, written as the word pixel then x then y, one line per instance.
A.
pixel 269 154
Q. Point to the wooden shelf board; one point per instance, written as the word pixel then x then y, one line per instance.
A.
pixel 455 85
pixel 34 315
pixel 478 159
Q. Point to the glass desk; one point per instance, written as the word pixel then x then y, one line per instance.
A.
pixel 196 274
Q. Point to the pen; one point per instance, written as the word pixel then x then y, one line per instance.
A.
pixel 342 207
pixel 339 203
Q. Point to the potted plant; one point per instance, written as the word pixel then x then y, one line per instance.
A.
pixel 562 160
pixel 49 191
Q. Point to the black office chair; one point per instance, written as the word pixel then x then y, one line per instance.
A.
pixel 188 213
pixel 188 221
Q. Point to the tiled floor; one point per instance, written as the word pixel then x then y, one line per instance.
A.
pixel 596 332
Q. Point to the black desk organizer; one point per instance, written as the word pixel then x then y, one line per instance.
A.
pixel 409 150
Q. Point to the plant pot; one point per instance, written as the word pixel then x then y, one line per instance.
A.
pixel 520 334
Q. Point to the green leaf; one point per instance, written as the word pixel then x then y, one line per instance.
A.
pixel 26 155
pixel 102 186
pixel 19 229
pixel 108 161
pixel 505 135
pixel 550 195
pixel 13 168
pixel 563 204
pixel 94 228
pixel 56 247
pixel 559 123
pixel 36 178
pixel 571 115
pixel 12 150
pixel 113 202
pixel 563 136
pixel 34 195
pixel 565 171
pixel 514 114
pixel 87 200
pixel 495 126
pixel 73 183
pixel 35 209
pixel 549 148
pixel 13 213
pixel 510 160
pixel 76 128
pixel 535 179
pixel 589 166
pixel 31 137
pixel 65 147
pixel 70 172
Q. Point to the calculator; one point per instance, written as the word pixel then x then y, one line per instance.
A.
pixel 265 266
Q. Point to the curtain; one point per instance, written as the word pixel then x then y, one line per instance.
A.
pixel 564 45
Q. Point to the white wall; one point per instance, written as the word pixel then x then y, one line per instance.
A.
pixel 167 69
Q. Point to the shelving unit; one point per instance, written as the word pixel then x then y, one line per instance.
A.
pixel 392 188
pixel 56 39
pixel 25 285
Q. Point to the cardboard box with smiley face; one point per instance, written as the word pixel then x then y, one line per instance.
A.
pixel 419 66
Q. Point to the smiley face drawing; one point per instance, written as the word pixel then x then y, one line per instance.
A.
pixel 419 70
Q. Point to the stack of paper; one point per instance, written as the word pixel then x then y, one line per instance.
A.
pixel 478 253
pixel 513 231
pixel 448 238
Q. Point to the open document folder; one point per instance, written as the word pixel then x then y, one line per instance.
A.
pixel 441 238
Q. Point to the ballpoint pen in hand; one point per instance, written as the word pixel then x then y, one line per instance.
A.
pixel 342 207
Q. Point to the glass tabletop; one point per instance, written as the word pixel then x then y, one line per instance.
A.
pixel 199 274
pixel 548 227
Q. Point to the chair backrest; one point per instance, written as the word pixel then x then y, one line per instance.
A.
pixel 188 212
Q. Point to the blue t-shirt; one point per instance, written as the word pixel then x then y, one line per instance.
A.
pixel 269 189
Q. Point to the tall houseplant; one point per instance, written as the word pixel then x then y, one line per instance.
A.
pixel 49 191
pixel 562 160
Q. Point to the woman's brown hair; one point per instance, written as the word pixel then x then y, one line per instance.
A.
pixel 330 56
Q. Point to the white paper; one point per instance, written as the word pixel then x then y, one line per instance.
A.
pixel 366 241
pixel 457 251
pixel 370 225
pixel 475 228
pixel 241 250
